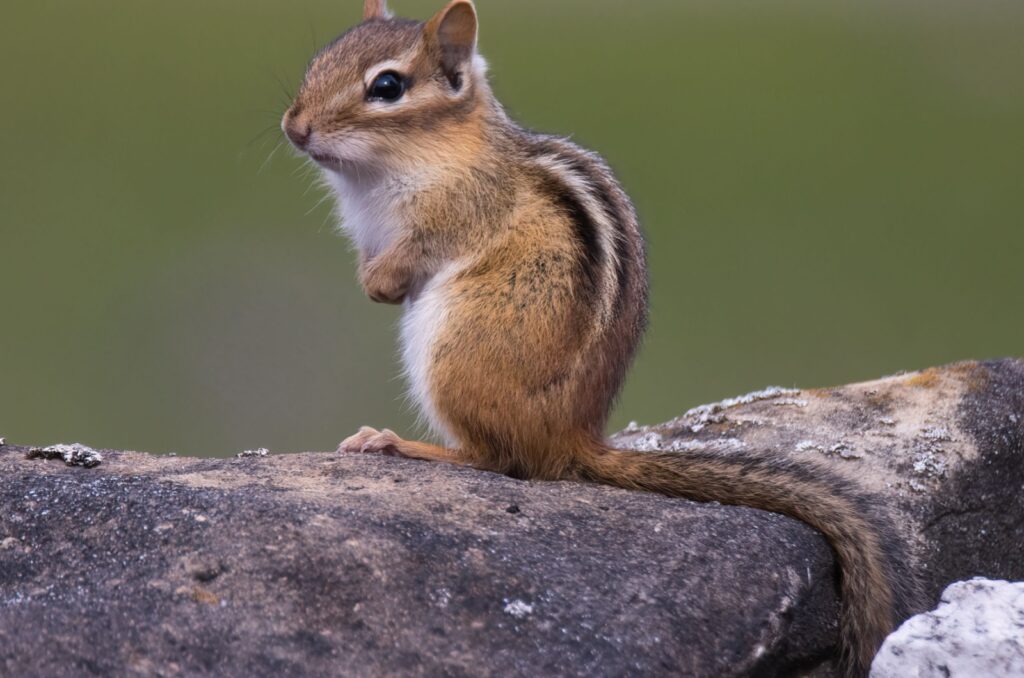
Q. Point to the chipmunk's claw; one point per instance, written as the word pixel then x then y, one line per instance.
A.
pixel 355 442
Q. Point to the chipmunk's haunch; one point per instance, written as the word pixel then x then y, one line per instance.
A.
pixel 521 267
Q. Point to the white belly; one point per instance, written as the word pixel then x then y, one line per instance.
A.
pixel 422 323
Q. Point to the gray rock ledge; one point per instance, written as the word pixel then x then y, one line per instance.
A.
pixel 319 564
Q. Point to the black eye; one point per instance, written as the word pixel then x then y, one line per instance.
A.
pixel 388 86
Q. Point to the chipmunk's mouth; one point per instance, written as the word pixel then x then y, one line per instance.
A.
pixel 326 159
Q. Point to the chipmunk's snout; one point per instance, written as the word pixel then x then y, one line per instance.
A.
pixel 298 135
pixel 297 128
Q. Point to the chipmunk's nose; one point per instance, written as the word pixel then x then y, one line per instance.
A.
pixel 299 134
pixel 296 128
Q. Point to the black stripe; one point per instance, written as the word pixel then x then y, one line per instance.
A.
pixel 584 230
pixel 580 163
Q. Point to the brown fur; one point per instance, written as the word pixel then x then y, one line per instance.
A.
pixel 547 300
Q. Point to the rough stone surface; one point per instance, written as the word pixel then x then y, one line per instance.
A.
pixel 942 448
pixel 977 630
pixel 322 564
pixel 315 563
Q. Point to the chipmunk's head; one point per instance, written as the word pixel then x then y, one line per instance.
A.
pixel 390 90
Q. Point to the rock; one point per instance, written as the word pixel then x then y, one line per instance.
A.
pixel 977 630
pixel 302 564
pixel 942 448
pixel 321 564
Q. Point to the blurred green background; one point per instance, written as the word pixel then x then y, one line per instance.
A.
pixel 832 191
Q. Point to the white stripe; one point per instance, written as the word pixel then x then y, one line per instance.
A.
pixel 584 191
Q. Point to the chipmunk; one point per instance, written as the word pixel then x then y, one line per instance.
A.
pixel 522 270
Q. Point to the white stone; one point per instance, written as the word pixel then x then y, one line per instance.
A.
pixel 977 630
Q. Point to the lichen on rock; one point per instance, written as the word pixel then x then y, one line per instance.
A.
pixel 73 454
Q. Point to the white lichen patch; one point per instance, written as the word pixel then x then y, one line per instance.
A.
pixel 926 463
pixel 655 442
pixel 261 452
pixel 713 413
pixel 716 445
pixel 887 421
pixel 632 427
pixel 3 441
pixel 73 454
pixel 791 402
pixel 939 434
pixel 648 442
pixel 845 451
pixel 518 609
pixel 841 449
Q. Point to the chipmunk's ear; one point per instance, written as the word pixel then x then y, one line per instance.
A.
pixel 375 9
pixel 453 30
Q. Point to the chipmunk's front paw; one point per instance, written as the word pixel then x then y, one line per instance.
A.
pixel 393 295
pixel 385 283
pixel 371 441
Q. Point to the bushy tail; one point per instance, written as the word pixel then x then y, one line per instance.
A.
pixel 875 585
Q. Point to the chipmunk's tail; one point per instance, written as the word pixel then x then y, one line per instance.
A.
pixel 877 587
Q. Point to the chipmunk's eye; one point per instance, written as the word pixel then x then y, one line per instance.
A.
pixel 388 86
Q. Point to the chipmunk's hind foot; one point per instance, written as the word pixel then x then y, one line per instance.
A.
pixel 386 442
pixel 371 441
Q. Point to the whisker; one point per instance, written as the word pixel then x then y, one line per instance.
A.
pixel 319 202
pixel 274 115
pixel 261 134
pixel 270 157
pixel 284 88
pixel 308 169
pixel 312 37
